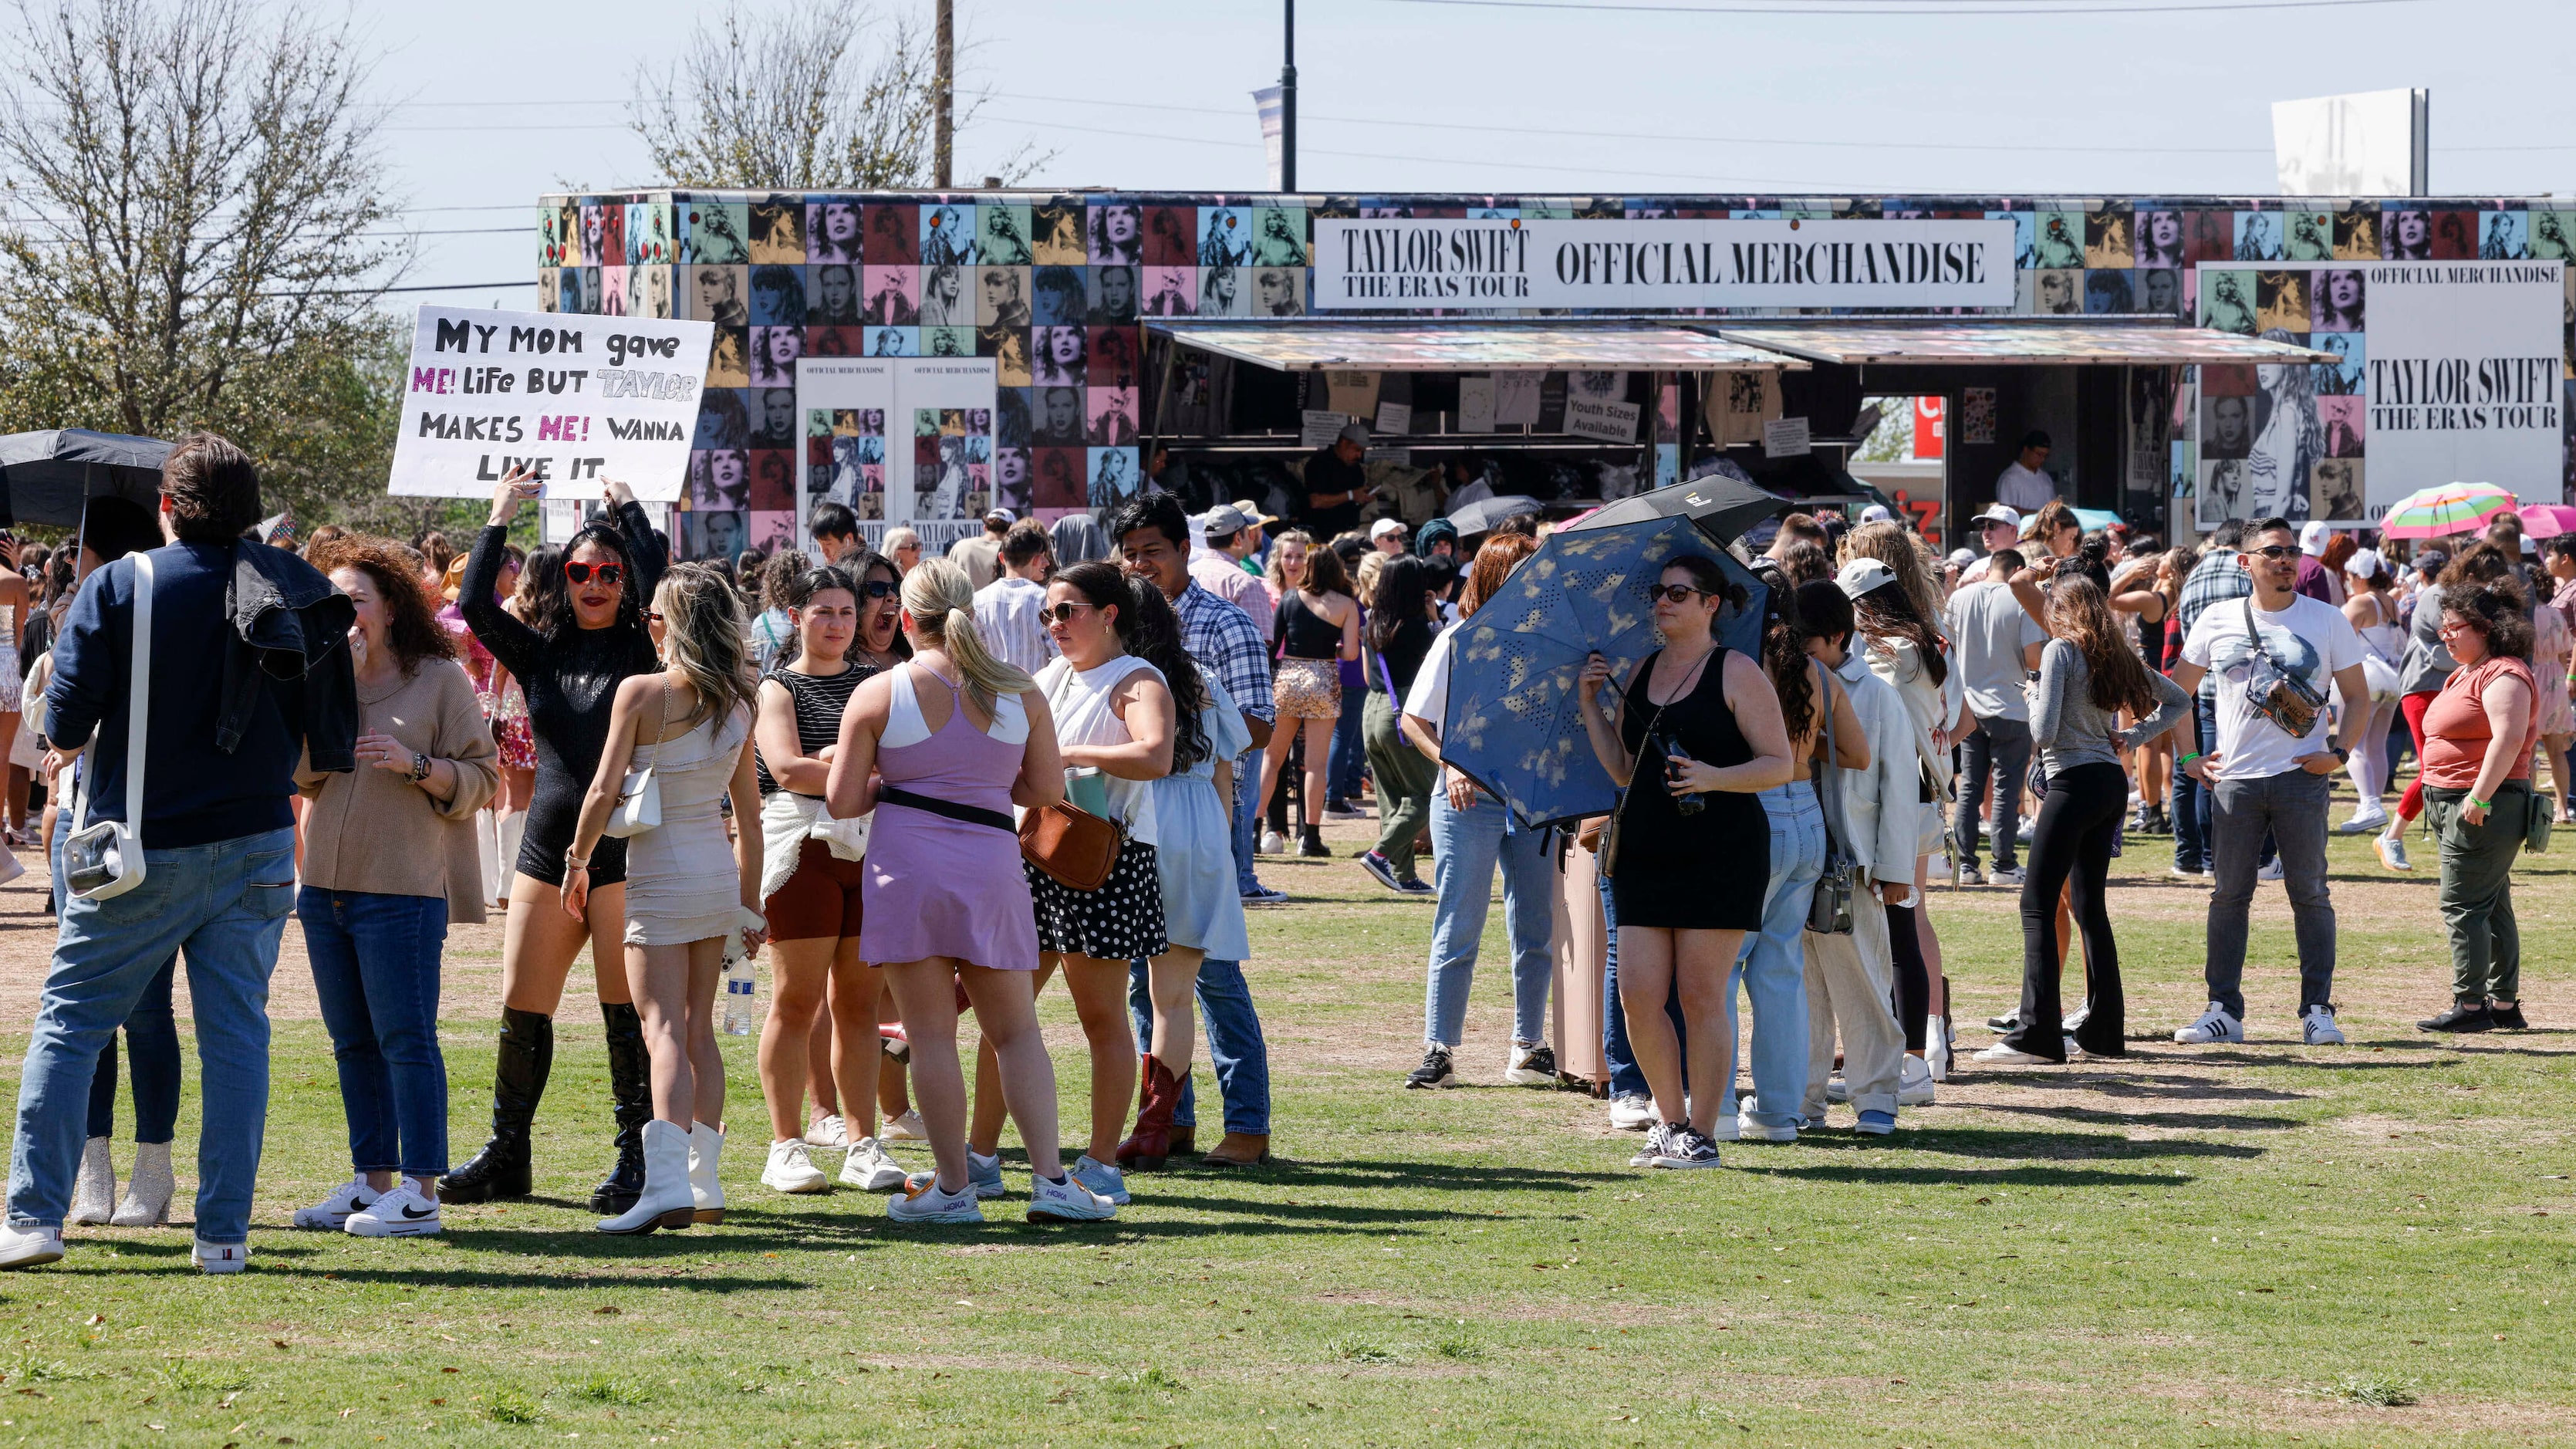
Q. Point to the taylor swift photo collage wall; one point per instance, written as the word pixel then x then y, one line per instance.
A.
pixel 1053 288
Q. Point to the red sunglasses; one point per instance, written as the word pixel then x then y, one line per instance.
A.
pixel 581 573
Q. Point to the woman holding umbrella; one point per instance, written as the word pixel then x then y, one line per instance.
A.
pixel 1699 736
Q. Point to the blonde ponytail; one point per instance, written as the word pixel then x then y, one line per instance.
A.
pixel 941 600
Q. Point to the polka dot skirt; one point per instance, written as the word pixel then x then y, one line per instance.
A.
pixel 1121 921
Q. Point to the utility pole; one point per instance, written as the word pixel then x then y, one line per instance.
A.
pixel 1287 104
pixel 943 86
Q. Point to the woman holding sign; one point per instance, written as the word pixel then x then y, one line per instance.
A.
pixel 584 634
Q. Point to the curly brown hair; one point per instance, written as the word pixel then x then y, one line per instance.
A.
pixel 2494 609
pixel 412 629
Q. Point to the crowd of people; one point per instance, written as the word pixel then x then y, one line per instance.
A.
pixel 925 787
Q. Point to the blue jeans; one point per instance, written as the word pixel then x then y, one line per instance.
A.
pixel 1467 847
pixel 151 1040
pixel 375 967
pixel 1626 1078
pixel 1247 829
pixel 1236 1050
pixel 225 906
pixel 1350 750
pixel 2190 797
pixel 1773 964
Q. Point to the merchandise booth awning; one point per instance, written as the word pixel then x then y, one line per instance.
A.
pixel 1470 345
pixel 2011 341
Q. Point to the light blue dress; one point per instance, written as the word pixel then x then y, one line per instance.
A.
pixel 1194 849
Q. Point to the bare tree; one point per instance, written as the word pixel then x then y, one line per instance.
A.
pixel 828 97
pixel 194 237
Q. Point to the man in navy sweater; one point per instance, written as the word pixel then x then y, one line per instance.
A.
pixel 248 666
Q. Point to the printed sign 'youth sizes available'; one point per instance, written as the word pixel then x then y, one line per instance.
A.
pixel 1389 262
pixel 579 399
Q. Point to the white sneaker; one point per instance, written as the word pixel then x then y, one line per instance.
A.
pixel 1936 1048
pixel 1632 1112
pixel 2270 872
pixel 94 1190
pixel 868 1169
pixel 1913 1082
pixel 2001 1055
pixel 927 1203
pixel 2318 1027
pixel 400 1213
pixel 830 1131
pixel 1101 1178
pixel 1272 843
pixel 906 1128
pixel 790 1170
pixel 2074 1020
pixel 1729 1127
pixel 332 1213
pixel 149 1190
pixel 1530 1065
pixel 1067 1201
pixel 220 1257
pixel 2371 817
pixel 29 1247
pixel 2213 1026
pixel 2002 877
pixel 1748 1130
pixel 1837 1089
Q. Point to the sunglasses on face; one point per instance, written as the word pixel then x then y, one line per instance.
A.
pixel 582 573
pixel 1674 593
pixel 878 589
pixel 1060 613
pixel 2277 552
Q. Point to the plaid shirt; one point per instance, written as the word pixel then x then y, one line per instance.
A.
pixel 2219 577
pixel 1221 638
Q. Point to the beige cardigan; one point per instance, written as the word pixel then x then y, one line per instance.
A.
pixel 373 830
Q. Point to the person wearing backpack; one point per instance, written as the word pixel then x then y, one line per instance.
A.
pixel 2270 769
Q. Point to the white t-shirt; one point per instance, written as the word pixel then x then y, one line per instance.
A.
pixel 1080 700
pixel 2026 489
pixel 2311 639
pixel 1429 696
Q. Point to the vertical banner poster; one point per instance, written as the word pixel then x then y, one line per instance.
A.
pixel 946 409
pixel 2444 372
pixel 577 399
pixel 845 404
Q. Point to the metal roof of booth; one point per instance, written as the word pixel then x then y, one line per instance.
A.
pixel 2004 341
pixel 1467 344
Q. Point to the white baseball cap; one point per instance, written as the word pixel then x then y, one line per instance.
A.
pixel 1862 575
pixel 1877 513
pixel 1385 526
pixel 2313 537
pixel 2000 513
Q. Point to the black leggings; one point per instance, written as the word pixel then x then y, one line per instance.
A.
pixel 1913 978
pixel 2079 822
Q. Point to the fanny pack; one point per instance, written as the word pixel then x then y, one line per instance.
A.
pixel 2289 702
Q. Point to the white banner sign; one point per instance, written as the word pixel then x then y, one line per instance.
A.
pixel 578 399
pixel 1407 262
pixel 2447 372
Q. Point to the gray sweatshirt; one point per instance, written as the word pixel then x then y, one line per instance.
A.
pixel 2071 730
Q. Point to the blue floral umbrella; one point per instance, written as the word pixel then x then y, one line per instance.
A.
pixel 1514 725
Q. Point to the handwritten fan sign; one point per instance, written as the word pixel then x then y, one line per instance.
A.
pixel 578 399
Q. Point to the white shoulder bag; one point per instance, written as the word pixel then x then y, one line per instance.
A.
pixel 104 861
pixel 639 795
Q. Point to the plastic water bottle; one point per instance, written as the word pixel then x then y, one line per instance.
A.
pixel 1683 804
pixel 741 993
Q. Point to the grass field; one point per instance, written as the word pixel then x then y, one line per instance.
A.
pixel 2359 1246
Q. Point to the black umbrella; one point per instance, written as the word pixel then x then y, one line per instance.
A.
pixel 1487 514
pixel 1723 507
pixel 51 475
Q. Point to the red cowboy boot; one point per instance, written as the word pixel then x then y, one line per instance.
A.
pixel 1158 1095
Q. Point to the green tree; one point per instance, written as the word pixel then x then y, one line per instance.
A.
pixel 197 238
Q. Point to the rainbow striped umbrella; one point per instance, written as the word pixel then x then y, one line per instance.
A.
pixel 2445 510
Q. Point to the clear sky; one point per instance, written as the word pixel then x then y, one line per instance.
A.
pixel 504 102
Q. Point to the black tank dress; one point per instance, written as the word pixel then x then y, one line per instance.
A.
pixel 571 686
pixel 1702 872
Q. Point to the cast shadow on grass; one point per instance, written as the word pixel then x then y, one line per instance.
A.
pixel 2508 1046
pixel 2005 1145
pixel 2110 1081
pixel 1973 1178
pixel 2180 1121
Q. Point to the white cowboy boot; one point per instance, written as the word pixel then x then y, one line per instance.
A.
pixel 665 1201
pixel 706 1194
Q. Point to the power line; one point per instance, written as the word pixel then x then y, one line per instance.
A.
pixel 1927 8
pixel 374 291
